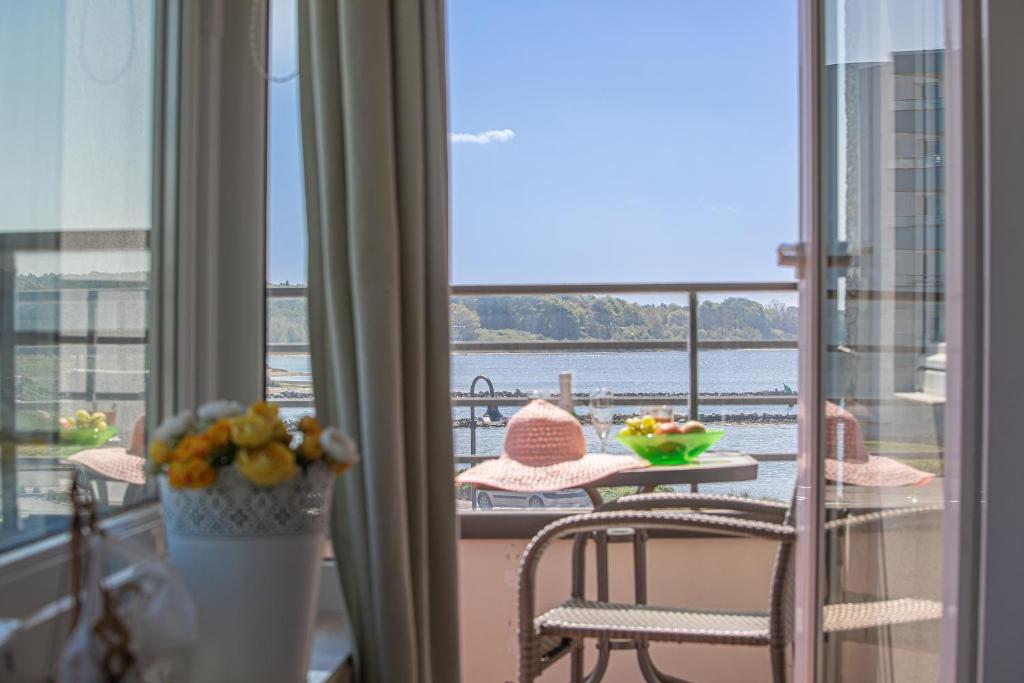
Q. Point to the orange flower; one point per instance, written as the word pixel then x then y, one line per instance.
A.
pixel 219 433
pixel 309 425
pixel 192 447
pixel 193 474
pixel 310 447
pixel 160 452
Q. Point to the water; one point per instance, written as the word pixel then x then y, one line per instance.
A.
pixel 733 371
pixel 664 372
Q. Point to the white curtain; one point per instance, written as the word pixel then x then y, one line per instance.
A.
pixel 374 130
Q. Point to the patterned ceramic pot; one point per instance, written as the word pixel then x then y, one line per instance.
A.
pixel 251 558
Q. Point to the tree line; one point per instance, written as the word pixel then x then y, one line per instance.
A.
pixel 548 317
pixel 520 318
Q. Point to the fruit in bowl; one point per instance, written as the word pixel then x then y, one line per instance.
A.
pixel 86 429
pixel 667 443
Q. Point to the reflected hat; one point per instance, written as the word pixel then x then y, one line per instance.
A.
pixel 857 466
pixel 545 451
pixel 112 463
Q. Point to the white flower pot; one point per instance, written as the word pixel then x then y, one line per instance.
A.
pixel 251 559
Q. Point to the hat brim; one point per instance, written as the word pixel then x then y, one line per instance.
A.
pixel 878 470
pixel 511 475
pixel 112 463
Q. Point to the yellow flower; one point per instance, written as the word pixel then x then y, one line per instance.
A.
pixel 310 447
pixel 280 433
pixel 250 431
pixel 193 474
pixel 160 452
pixel 267 411
pixel 309 424
pixel 192 447
pixel 266 466
pixel 219 434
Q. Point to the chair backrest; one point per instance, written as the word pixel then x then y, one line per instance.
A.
pixel 904 519
pixel 781 592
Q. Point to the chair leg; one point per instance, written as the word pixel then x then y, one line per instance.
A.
pixel 650 672
pixel 604 651
pixel 779 664
pixel 576 662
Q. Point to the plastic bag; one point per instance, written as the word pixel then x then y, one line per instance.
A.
pixel 151 615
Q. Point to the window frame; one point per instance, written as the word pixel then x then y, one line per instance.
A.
pixel 33 575
pixel 208 208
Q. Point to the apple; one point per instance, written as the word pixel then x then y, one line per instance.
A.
pixel 692 427
pixel 668 428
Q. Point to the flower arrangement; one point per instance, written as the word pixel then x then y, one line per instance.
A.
pixel 190 448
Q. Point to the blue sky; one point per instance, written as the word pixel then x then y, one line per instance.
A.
pixel 629 141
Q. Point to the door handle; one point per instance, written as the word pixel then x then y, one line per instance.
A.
pixel 792 255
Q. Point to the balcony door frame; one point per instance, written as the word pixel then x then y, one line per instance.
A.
pixel 985 366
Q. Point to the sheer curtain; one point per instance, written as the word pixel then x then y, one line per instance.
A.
pixel 372 98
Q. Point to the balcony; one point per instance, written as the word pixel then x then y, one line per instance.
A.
pixel 721 381
pixel 759 411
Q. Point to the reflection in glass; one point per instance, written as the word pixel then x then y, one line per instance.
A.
pixel 602 412
pixel 884 331
pixel 76 168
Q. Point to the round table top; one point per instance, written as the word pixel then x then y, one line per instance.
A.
pixel 709 468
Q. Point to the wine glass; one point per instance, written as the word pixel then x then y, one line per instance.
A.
pixel 602 411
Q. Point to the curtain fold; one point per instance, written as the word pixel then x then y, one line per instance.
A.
pixel 374 135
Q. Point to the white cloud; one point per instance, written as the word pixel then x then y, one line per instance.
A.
pixel 484 138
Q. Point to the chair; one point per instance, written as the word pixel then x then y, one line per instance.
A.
pixel 562 630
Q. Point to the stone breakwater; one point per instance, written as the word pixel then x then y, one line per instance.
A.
pixel 708 418
pixel 582 398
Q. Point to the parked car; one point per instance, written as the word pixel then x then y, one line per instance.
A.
pixel 569 498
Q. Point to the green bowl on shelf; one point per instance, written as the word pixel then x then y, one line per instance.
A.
pixel 671 449
pixel 90 438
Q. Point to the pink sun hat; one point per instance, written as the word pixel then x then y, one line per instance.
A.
pixel 112 463
pixel 545 451
pixel 857 466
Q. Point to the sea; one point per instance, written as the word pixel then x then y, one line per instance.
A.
pixel 740 371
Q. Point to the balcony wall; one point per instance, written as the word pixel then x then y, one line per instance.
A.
pixel 722 573
pixel 708 573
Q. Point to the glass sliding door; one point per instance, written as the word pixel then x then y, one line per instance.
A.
pixel 878 337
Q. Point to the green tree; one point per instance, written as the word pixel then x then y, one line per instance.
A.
pixel 465 323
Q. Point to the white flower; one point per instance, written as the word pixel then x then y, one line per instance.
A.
pixel 174 427
pixel 215 410
pixel 338 448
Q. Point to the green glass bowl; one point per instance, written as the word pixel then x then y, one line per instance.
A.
pixel 671 449
pixel 90 438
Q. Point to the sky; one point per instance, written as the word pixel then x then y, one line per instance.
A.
pixel 596 141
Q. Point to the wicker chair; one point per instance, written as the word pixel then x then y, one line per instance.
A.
pixel 546 638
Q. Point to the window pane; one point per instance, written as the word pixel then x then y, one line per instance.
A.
pixel 884 357
pixel 598 143
pixel 289 379
pixel 76 165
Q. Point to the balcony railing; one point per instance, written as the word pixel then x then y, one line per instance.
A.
pixel 692 291
pixel 88 334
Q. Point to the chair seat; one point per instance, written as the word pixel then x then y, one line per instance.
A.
pixel 851 616
pixel 588 619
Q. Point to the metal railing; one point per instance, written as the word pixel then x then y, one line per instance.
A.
pixel 693 400
pixel 88 337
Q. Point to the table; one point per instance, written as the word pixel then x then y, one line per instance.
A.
pixel 709 467
pixel 713 467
